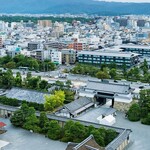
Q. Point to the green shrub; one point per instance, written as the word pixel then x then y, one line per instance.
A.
pixel 134 113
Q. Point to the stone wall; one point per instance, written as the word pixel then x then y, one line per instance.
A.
pixel 124 107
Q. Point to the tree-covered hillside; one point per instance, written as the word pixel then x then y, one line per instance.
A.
pixel 73 6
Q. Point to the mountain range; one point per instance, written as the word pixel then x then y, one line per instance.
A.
pixel 73 7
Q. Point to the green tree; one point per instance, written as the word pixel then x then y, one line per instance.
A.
pixel 69 96
pixel 54 100
pixel 147 77
pixel 144 102
pixel 33 64
pixel 32 123
pixel 68 83
pixel 113 66
pixel 18 80
pixel 102 75
pixel 54 130
pixel 43 84
pixel 19 59
pixel 29 75
pixel 7 79
pixel 144 67
pixel 59 83
pixel 136 72
pixel 10 65
pixel 43 120
pixel 5 60
pixel 110 136
pixel 74 131
pixel 124 67
pixel 113 73
pixel 33 83
pixel 99 139
pixel 146 120
pixel 18 118
pixel 134 112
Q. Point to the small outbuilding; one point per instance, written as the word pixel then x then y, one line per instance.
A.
pixel 76 107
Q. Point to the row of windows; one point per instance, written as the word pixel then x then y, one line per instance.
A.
pixel 103 57
pixel 95 62
pixel 109 60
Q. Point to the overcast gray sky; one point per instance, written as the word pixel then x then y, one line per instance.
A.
pixel 137 1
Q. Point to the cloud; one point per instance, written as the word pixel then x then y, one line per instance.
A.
pixel 132 1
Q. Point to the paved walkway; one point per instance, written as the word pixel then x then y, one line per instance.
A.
pixel 140 137
pixel 24 140
pixel 3 144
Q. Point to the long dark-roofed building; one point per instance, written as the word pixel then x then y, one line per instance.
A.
pixel 27 95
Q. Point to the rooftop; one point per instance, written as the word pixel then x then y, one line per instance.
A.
pixel 79 105
pixel 2 124
pixel 88 144
pixel 28 95
pixel 109 53
pixel 135 46
pixel 108 87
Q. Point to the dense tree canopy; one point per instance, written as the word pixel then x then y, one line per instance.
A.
pixel 24 61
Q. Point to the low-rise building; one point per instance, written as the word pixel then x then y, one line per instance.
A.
pixel 33 46
pixel 53 55
pixel 55 45
pixel 108 57
pixel 143 50
pixel 68 56
pixel 76 107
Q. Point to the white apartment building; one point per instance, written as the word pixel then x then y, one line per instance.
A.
pixel 53 55
pixel 56 56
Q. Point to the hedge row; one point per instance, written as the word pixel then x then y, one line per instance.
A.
pixel 15 102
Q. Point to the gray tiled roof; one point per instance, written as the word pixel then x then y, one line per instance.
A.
pixel 118 140
pixel 108 53
pixel 28 95
pixel 108 87
pixel 79 105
